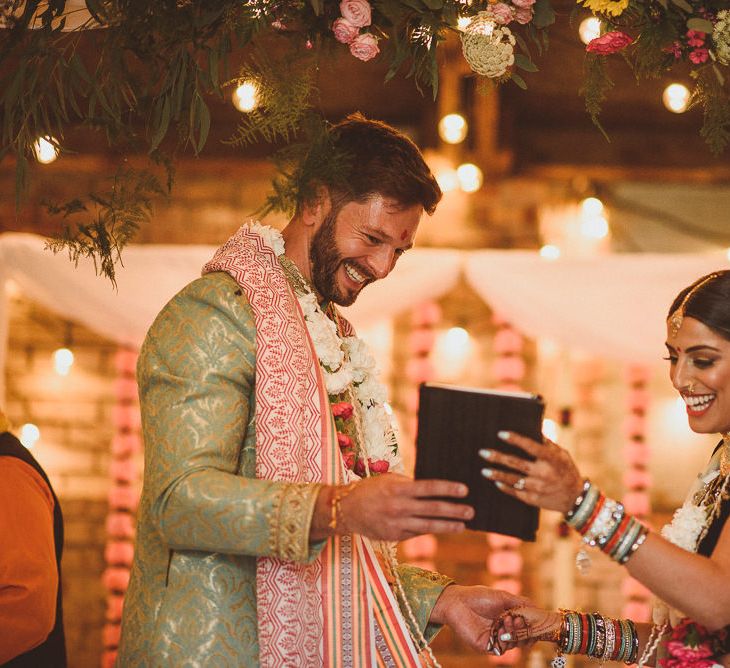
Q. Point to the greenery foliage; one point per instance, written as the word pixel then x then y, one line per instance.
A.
pixel 141 75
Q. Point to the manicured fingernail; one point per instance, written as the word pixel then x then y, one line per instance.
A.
pixel 500 485
pixel 462 490
pixel 487 473
pixel 486 454
pixel 505 637
pixel 504 435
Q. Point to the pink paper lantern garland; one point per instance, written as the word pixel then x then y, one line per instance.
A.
pixel 504 561
pixel 123 498
pixel 637 479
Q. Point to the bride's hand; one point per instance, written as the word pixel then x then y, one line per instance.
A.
pixel 551 481
pixel 523 626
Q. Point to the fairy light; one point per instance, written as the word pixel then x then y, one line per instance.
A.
pixel 462 23
pixel 63 360
pixel 453 128
pixel 550 252
pixel 589 29
pixel 29 435
pixel 45 149
pixel 591 206
pixel 246 96
pixel 594 227
pixel 447 180
pixel 470 177
pixel 676 98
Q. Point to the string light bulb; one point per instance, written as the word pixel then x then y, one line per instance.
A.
pixel 676 98
pixel 470 177
pixel 45 149
pixel 550 252
pixel 591 206
pixel 594 227
pixel 453 128
pixel 589 29
pixel 447 180
pixel 63 360
pixel 246 96
pixel 29 435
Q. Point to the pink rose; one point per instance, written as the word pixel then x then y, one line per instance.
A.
pixel 349 459
pixel 342 409
pixel 344 31
pixel 609 43
pixel 381 466
pixel 359 467
pixel 502 13
pixel 356 12
pixel 364 46
pixel 525 4
pixel 699 56
pixel 523 15
pixel 343 440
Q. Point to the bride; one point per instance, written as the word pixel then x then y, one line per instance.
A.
pixel 687 567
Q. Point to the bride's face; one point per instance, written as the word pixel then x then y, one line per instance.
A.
pixel 699 361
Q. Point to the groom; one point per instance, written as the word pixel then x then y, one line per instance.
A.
pixel 270 486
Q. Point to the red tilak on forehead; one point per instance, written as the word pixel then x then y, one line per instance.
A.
pixel 403 235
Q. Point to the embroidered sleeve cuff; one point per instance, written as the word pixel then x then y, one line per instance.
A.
pixel 291 518
pixel 423 589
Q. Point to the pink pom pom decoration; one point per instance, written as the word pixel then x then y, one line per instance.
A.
pixel 125 389
pixel 511 585
pixel 125 361
pixel 507 341
pixel 499 542
pixel 126 417
pixel 119 553
pixel 637 503
pixel 126 444
pixel 111 635
pixel 638 399
pixel 504 562
pixel 636 454
pixel 120 525
pixel 637 479
pixel 419 369
pixel 422 340
pixel 123 497
pixel 509 368
pixel 116 578
pixel 632 588
pixel 637 611
pixel 108 658
pixel 428 313
pixel 637 374
pixel 124 470
pixel 634 425
pixel 114 606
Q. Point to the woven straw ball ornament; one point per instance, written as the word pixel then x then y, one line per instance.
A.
pixel 487 47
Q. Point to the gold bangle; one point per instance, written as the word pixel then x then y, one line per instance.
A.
pixel 340 493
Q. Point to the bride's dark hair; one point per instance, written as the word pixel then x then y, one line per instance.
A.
pixel 709 303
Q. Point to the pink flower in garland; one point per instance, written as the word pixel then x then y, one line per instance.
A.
pixel 380 466
pixel 692 646
pixel 344 32
pixel 675 49
pixel 523 15
pixel 502 13
pixel 343 440
pixel 364 47
pixel 695 38
pixel 699 56
pixel 349 459
pixel 356 12
pixel 524 4
pixel 611 42
pixel 342 409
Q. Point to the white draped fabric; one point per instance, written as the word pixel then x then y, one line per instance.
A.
pixel 613 305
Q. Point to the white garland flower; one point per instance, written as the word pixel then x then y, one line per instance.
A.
pixel 346 362
pixel 271 236
pixel 685 527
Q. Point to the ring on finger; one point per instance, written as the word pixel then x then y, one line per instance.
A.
pixel 520 484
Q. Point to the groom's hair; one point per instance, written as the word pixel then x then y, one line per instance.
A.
pixel 381 161
pixel 708 302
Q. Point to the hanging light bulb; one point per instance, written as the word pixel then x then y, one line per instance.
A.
pixel 447 180
pixel 246 96
pixel 45 149
pixel 470 177
pixel 550 252
pixel 591 206
pixel 453 128
pixel 589 29
pixel 676 98
pixel 594 227
pixel 63 360
pixel 29 435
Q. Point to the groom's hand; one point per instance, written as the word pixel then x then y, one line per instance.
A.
pixel 393 507
pixel 472 612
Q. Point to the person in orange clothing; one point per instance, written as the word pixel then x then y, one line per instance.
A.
pixel 31 542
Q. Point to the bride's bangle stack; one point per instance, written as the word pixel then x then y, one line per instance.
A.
pixel 598 637
pixel 604 523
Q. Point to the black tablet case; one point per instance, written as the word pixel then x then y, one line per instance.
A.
pixel 454 423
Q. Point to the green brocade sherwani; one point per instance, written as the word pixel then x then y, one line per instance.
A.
pixel 204 517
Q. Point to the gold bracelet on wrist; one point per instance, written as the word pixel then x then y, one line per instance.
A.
pixel 336 498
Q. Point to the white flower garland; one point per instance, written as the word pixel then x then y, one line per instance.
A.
pixel 346 362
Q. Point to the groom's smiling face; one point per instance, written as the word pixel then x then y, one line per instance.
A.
pixel 359 243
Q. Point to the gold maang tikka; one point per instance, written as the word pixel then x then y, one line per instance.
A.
pixel 675 319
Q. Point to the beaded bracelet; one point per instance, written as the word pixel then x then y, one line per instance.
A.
pixel 598 637
pixel 603 523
